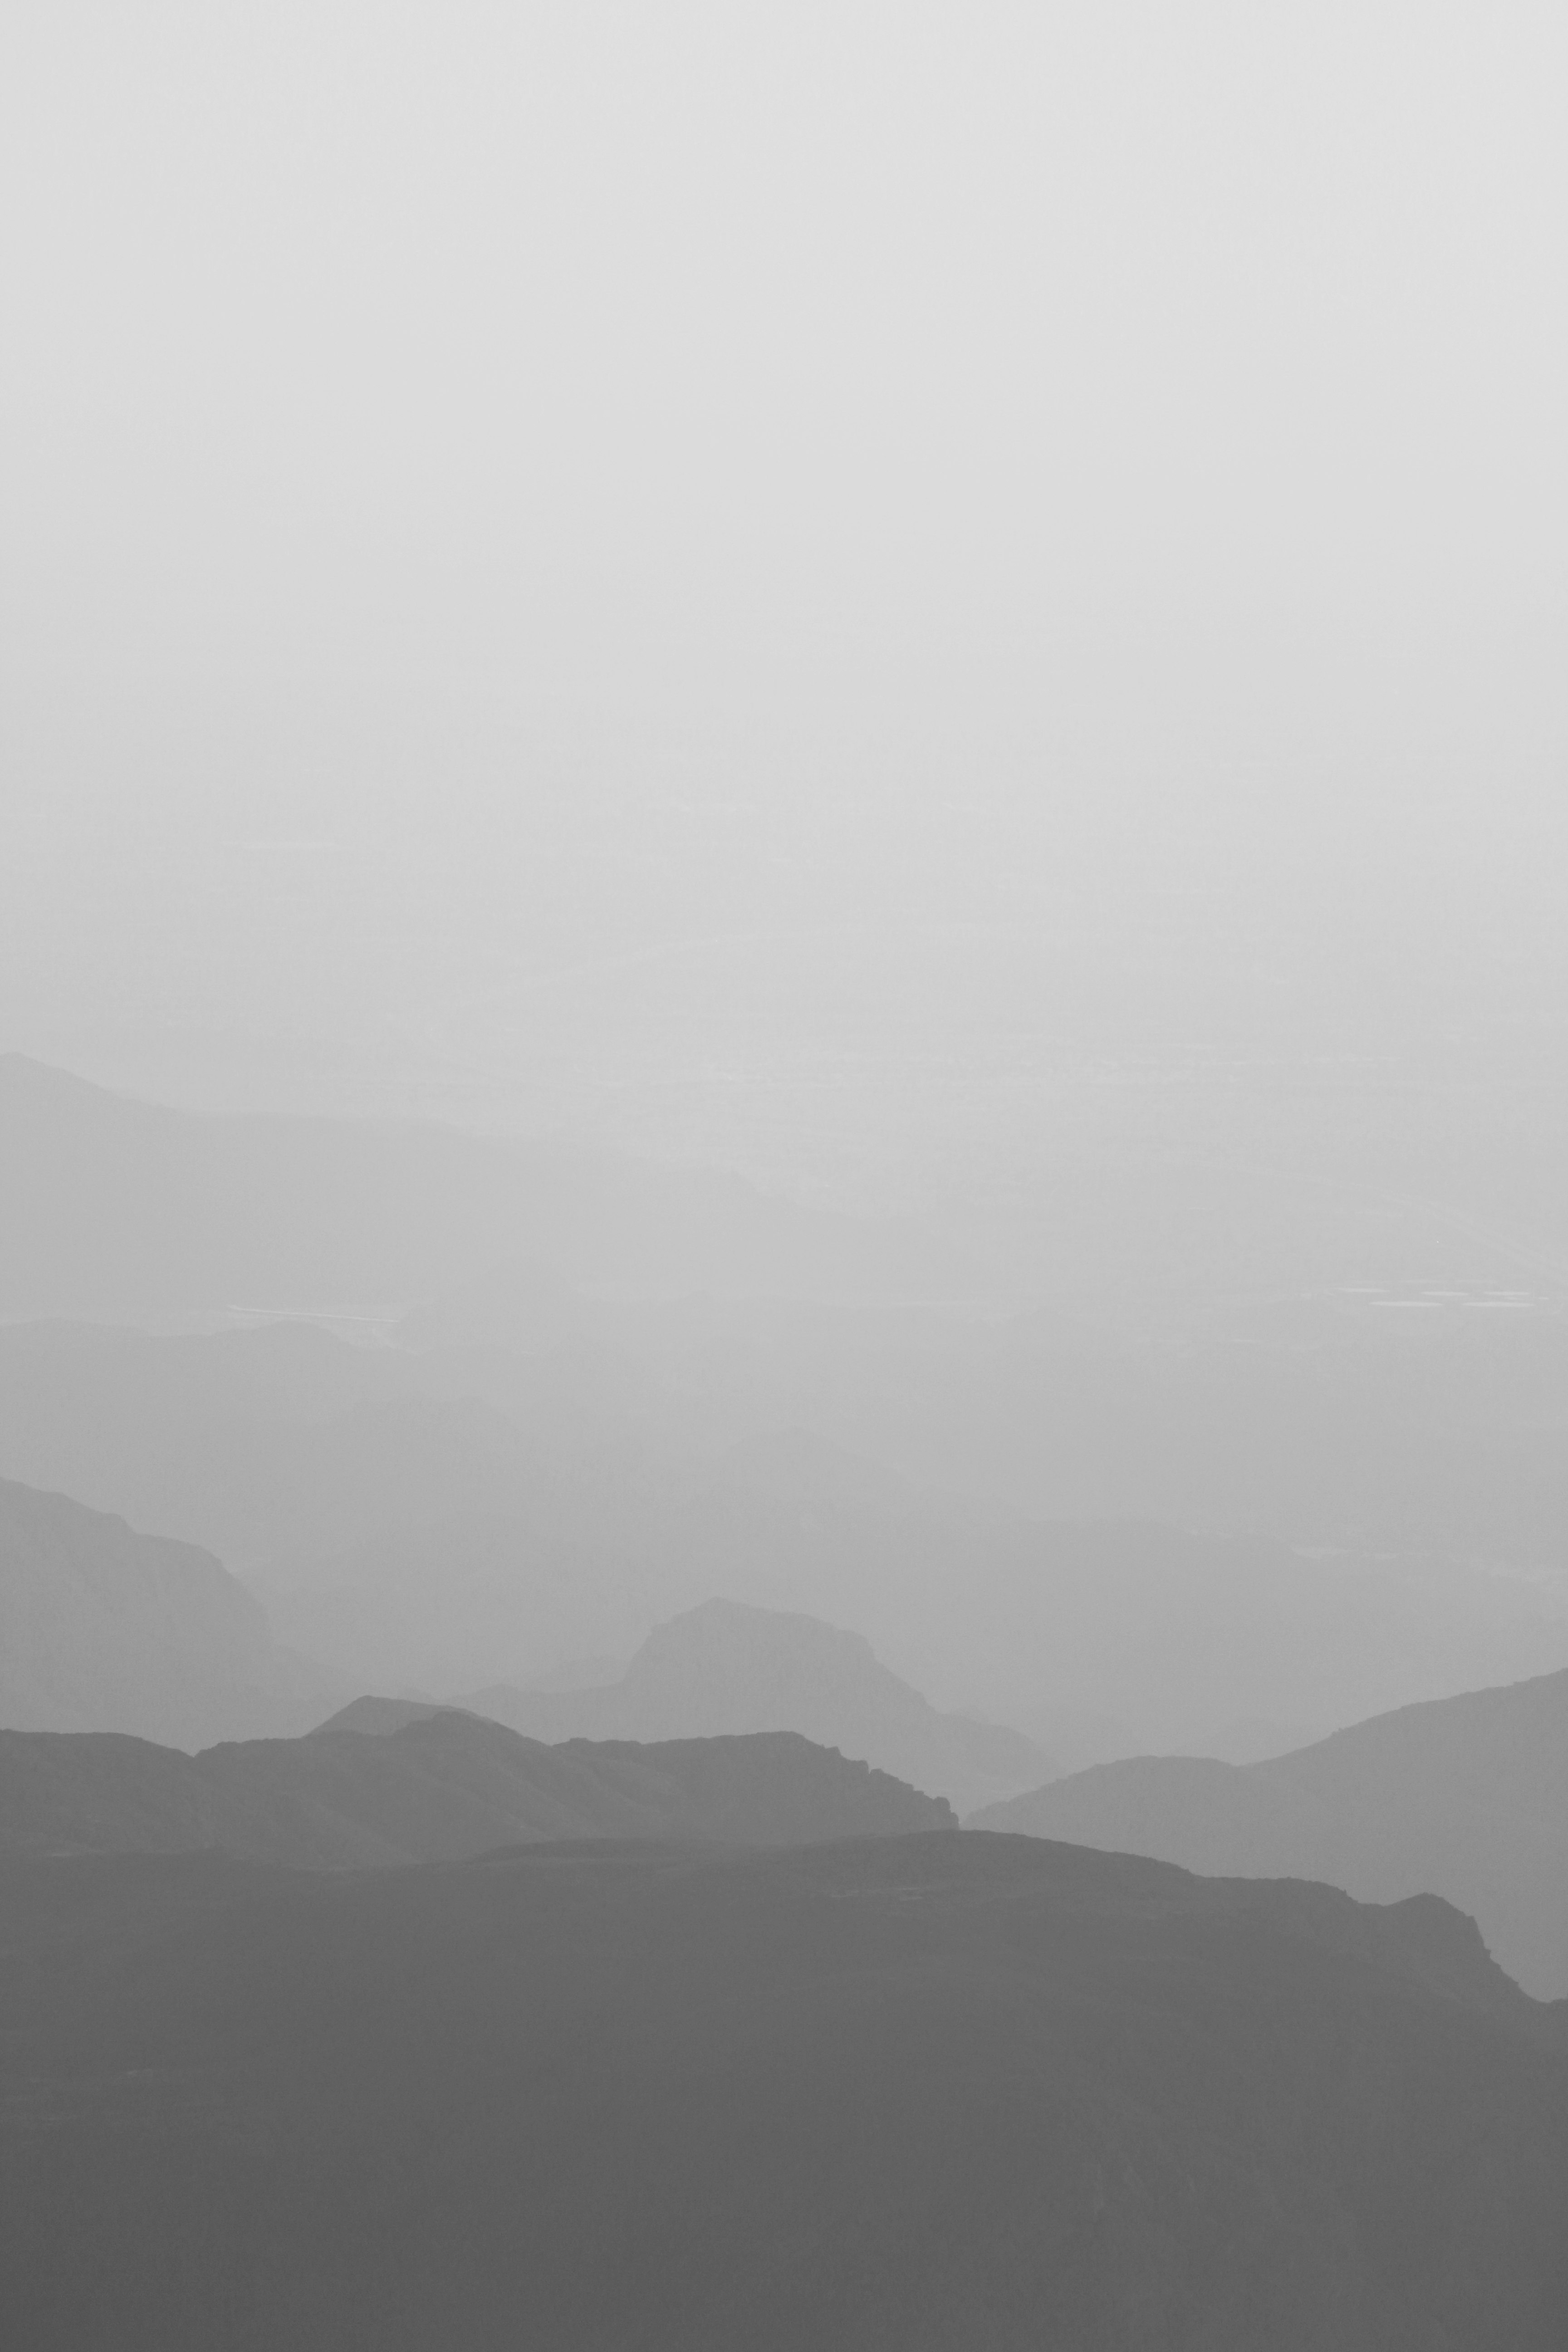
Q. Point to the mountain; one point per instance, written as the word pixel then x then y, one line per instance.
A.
pixel 390 1782
pixel 278 1444
pixel 724 1667
pixel 1378 1422
pixel 115 1210
pixel 911 2092
pixel 444 1518
pixel 1466 1797
pixel 104 1628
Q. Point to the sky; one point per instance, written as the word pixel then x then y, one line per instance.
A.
pixel 560 552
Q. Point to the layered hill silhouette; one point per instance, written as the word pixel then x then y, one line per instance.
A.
pixel 387 1781
pixel 441 1519
pixel 105 1629
pixel 1465 1797
pixel 724 1667
pixel 111 1630
pixel 916 2091
pixel 118 1210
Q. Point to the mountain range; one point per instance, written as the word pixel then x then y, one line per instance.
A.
pixel 441 1519
pixel 1373 1419
pixel 900 2092
pixel 722 1667
pixel 117 1210
pixel 1464 1797
pixel 1353 1416
pixel 105 1629
pixel 387 1781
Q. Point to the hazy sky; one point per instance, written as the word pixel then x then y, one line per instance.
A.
pixel 494 493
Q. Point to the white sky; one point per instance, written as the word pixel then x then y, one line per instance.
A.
pixel 490 487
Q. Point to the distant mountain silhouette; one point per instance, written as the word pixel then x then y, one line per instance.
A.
pixel 917 2091
pixel 725 1667
pixel 1465 1797
pixel 1313 1422
pixel 442 1520
pixel 377 1715
pixel 114 1209
pixel 391 1781
pixel 104 1628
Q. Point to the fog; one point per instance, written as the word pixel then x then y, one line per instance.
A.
pixel 655 570
pixel 783 1116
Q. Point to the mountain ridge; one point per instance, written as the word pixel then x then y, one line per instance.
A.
pixel 726 1666
pixel 909 2091
pixel 103 1627
pixel 120 1208
pixel 1461 1797
pixel 428 1784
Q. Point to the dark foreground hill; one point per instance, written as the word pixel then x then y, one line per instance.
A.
pixel 1466 1797
pixel 917 2093
pixel 725 1667
pixel 423 1785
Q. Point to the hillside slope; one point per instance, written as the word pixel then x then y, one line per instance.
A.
pixel 430 1785
pixel 725 1667
pixel 105 1629
pixel 121 1209
pixel 906 2093
pixel 1465 1797
pixel 443 1519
